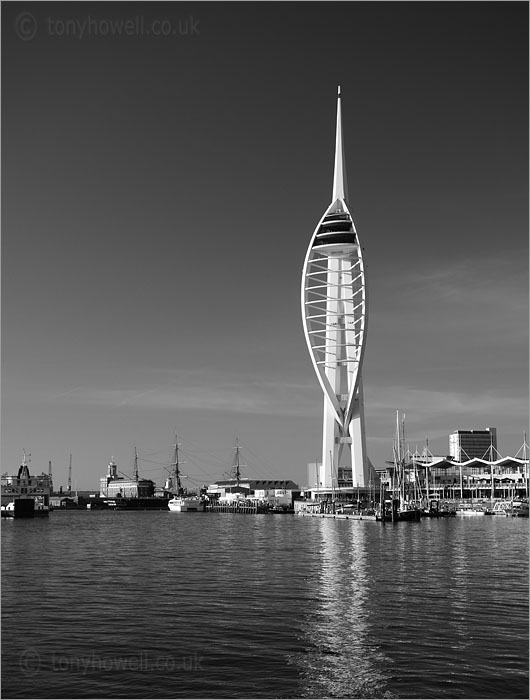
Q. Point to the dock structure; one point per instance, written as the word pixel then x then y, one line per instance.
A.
pixel 239 506
pixel 337 516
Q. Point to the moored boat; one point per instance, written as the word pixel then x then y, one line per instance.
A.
pixel 500 508
pixel 8 511
pixel 397 510
pixel 519 508
pixel 403 505
pixel 135 503
pixel 408 511
pixel 185 504
pixel 437 509
pixel 40 510
pixel 465 509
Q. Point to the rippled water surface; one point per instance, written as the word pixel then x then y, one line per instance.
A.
pixel 162 605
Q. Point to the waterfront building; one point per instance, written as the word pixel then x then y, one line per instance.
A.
pixel 71 501
pixel 274 491
pixel 446 478
pixel 335 314
pixel 23 485
pixel 468 444
pixel 344 476
pixel 114 486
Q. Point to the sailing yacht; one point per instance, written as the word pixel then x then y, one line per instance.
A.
pixel 406 510
pixel 182 502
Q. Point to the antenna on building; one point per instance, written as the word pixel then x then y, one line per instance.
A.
pixel 70 475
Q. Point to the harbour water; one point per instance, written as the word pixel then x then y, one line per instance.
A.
pixel 167 605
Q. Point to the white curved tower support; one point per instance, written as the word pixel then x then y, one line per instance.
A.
pixel 334 313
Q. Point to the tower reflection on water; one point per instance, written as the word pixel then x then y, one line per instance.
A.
pixel 341 661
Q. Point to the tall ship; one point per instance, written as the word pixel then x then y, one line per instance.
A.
pixel 182 501
pixel 25 496
pixel 120 492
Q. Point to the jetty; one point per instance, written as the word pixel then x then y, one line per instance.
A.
pixel 337 516
pixel 240 506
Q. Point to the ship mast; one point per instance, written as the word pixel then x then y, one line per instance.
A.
pixel 238 471
pixel 177 468
pixel 399 456
pixel 135 464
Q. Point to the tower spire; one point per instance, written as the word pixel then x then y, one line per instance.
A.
pixel 340 188
pixel 335 314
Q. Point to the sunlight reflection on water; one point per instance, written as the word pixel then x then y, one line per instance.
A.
pixel 266 606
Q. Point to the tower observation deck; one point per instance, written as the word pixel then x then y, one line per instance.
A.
pixel 334 314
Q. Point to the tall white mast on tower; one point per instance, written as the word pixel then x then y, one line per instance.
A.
pixel 334 314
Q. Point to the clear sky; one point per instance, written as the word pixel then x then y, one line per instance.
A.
pixel 159 194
